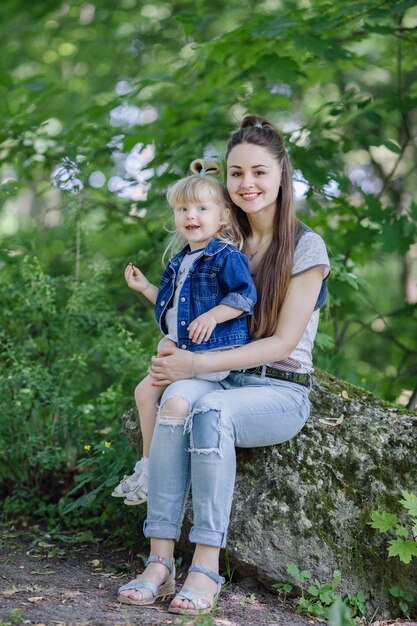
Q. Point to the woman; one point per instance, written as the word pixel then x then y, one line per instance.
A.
pixel 264 401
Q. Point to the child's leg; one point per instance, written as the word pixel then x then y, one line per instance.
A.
pixel 147 398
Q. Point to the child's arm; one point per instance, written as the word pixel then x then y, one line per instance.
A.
pixel 201 328
pixel 138 282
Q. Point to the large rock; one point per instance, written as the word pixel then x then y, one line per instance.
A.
pixel 309 501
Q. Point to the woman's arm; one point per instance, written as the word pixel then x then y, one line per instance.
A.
pixel 296 311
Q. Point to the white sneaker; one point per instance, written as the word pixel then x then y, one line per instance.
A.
pixel 128 483
pixel 139 494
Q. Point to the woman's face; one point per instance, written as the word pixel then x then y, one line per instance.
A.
pixel 253 178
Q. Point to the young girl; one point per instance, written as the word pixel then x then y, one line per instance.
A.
pixel 204 297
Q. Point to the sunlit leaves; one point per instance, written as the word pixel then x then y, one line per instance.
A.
pixel 404 549
pixel 383 521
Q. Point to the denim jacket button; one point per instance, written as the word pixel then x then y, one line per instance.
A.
pixel 184 347
pixel 183 299
pixel 163 302
pixel 183 323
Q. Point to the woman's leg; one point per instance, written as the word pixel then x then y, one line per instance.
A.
pixel 169 468
pixel 169 476
pixel 247 416
pixel 155 573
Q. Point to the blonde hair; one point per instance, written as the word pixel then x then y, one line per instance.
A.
pixel 273 273
pixel 188 190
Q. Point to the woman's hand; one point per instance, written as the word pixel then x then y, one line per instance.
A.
pixel 171 364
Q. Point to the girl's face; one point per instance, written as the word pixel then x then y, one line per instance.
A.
pixel 199 222
pixel 253 178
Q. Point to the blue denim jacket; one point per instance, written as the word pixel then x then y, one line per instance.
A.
pixel 219 276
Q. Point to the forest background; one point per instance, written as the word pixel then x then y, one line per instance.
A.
pixel 103 105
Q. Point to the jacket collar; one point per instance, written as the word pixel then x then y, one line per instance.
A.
pixel 213 247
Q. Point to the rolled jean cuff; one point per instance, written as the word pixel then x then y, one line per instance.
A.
pixel 208 537
pixel 161 530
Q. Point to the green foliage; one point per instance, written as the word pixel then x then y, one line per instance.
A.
pixel 320 599
pixel 13 618
pixel 340 80
pixel 283 589
pixel 404 545
pixel 402 597
pixel 67 375
pixel 199 620
pixel 339 614
pixel 229 569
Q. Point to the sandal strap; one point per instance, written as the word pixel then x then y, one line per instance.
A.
pixel 137 493
pixel 220 580
pixel 162 560
pixel 138 584
pixel 198 601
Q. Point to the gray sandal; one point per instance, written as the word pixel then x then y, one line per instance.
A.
pixel 200 603
pixel 166 588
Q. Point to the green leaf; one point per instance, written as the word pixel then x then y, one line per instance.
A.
pixel 382 521
pixel 339 614
pixel 401 531
pixel 293 569
pixel 313 591
pixel 324 341
pixel 273 27
pixel 337 578
pixel 395 591
pixel 409 502
pixel 391 145
pixel 326 597
pixel 278 69
pixel 404 608
pixel 405 550
pixel 407 596
pixel 305 574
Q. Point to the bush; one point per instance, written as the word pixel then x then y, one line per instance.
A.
pixel 69 367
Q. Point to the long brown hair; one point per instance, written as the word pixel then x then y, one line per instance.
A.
pixel 273 274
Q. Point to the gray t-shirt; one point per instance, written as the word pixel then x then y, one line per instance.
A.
pixel 171 318
pixel 310 252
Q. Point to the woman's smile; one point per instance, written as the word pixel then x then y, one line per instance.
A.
pixel 253 178
pixel 250 196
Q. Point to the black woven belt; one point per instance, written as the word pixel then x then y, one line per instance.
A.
pixel 272 372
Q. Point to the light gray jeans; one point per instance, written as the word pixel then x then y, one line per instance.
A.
pixel 243 410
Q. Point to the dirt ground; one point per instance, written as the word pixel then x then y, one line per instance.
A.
pixel 57 583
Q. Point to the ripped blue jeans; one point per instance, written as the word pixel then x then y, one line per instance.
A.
pixel 199 449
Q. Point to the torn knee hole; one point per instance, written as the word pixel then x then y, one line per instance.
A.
pixel 172 420
pixel 174 411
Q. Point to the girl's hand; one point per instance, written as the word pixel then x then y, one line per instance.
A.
pixel 171 364
pixel 201 328
pixel 135 279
